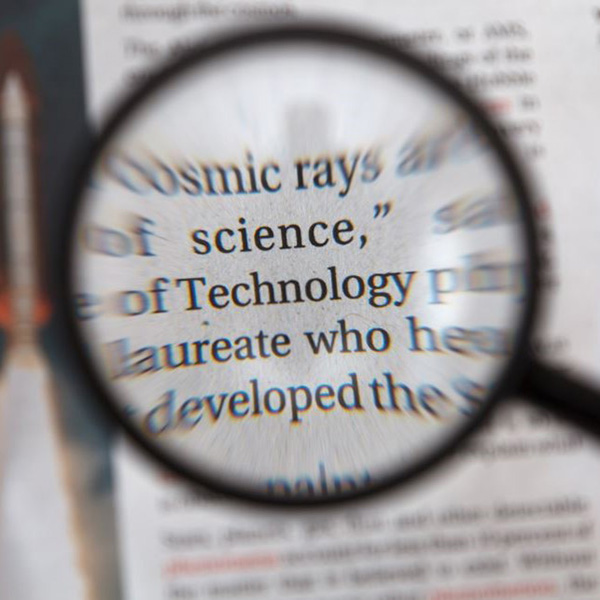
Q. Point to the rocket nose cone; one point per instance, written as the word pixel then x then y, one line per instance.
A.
pixel 13 98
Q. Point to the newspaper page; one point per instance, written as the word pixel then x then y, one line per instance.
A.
pixel 516 514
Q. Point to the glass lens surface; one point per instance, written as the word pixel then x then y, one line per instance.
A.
pixel 298 269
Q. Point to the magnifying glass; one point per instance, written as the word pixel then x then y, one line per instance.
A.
pixel 302 266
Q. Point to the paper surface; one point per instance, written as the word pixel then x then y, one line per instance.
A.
pixel 517 514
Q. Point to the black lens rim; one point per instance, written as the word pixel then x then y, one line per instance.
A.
pixel 343 37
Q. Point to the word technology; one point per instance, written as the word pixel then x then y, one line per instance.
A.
pixel 380 290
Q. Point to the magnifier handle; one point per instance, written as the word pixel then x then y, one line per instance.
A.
pixel 570 398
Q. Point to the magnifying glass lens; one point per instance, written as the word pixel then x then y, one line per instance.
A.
pixel 299 268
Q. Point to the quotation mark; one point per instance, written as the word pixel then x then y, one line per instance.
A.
pixel 382 210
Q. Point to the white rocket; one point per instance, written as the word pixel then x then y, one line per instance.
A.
pixel 38 544
pixel 17 175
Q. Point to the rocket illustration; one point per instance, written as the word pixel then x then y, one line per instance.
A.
pixel 40 553
pixel 20 234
